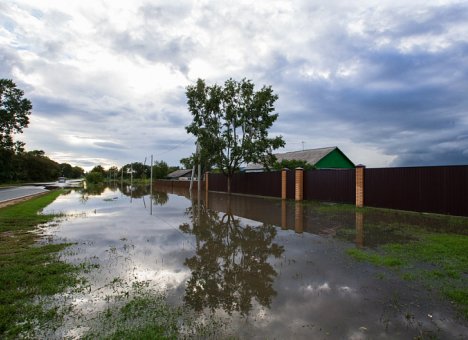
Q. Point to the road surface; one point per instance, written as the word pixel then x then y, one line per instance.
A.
pixel 13 193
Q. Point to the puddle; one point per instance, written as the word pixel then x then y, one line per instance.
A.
pixel 269 269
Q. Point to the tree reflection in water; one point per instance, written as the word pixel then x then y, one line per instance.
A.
pixel 230 267
pixel 160 198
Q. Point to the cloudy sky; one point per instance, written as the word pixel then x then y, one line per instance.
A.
pixel 386 81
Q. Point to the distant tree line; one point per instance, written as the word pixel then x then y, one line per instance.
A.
pixel 24 166
pixel 140 172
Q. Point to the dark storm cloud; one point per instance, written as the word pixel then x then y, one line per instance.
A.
pixel 420 91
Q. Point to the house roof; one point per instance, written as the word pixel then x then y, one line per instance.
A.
pixel 179 173
pixel 312 156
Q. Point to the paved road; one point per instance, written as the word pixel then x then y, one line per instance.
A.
pixel 7 194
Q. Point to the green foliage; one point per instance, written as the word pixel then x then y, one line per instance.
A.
pixel 292 164
pixel 145 314
pixel 33 166
pixel 139 169
pixel 160 170
pixel 231 123
pixel 28 271
pixel 94 177
pixel 204 159
pixel 14 113
pixel 187 162
pixel 99 169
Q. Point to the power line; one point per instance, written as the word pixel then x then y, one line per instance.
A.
pixel 175 147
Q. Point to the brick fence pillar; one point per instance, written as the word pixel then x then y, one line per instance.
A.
pixel 360 169
pixel 299 184
pixel 284 178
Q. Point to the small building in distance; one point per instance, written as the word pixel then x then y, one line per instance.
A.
pixel 181 175
pixel 322 158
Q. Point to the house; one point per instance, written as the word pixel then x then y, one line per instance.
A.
pixel 181 175
pixel 322 158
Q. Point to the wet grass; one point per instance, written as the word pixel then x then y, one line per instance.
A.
pixel 142 313
pixel 437 260
pixel 29 270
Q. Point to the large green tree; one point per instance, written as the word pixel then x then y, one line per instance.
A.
pixel 14 112
pixel 14 116
pixel 231 123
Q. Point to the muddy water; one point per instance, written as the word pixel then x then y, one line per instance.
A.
pixel 270 269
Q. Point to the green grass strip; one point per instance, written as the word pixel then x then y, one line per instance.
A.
pixel 28 270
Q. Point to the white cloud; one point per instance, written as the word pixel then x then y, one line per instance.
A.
pixel 116 71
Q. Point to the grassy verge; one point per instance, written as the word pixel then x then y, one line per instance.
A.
pixel 142 313
pixel 28 270
pixel 438 260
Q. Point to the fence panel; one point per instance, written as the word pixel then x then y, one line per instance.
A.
pixel 330 185
pixel 438 189
pixel 257 183
pixel 217 182
pixel 290 184
pixel 254 183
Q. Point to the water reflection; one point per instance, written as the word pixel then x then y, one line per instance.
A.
pixel 215 253
pixel 230 268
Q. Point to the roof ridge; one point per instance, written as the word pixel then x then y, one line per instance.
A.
pixel 329 147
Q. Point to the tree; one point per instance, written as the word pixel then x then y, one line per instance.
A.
pixel 14 112
pixel 100 169
pixel 139 169
pixel 187 162
pixel 292 164
pixel 231 123
pixel 160 170
pixel 112 172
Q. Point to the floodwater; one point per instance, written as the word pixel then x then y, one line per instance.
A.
pixel 271 269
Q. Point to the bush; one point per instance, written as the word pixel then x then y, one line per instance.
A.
pixel 94 177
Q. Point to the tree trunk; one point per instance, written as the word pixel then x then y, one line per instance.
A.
pixel 229 184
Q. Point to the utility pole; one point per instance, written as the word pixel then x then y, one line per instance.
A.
pixel 151 186
pixel 193 172
pixel 131 182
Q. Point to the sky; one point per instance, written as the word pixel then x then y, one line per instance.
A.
pixel 385 81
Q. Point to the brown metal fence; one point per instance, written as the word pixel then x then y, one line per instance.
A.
pixel 436 189
pixel 254 183
pixel 330 185
pixel 290 184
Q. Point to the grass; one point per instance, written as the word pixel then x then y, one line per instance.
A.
pixel 29 270
pixel 143 313
pixel 438 260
